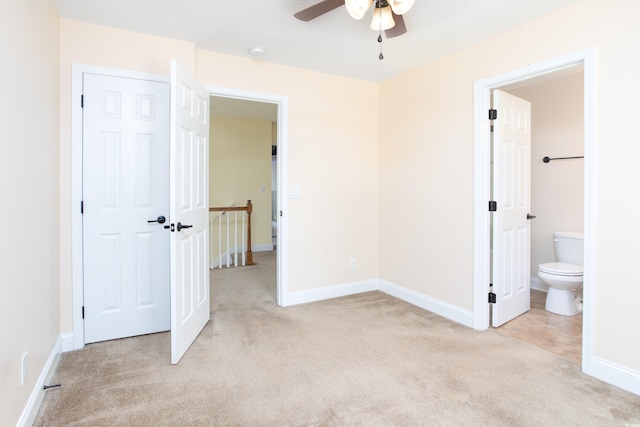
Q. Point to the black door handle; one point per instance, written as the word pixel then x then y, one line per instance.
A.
pixel 180 226
pixel 160 220
pixel 529 216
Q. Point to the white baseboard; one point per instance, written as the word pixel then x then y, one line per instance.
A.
pixel 67 341
pixel 319 294
pixel 537 284
pixel 433 305
pixel 37 394
pixel 441 308
pixel 617 375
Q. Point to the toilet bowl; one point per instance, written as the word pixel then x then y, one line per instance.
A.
pixel 565 282
pixel 565 276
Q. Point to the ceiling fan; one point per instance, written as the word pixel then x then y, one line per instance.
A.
pixel 387 13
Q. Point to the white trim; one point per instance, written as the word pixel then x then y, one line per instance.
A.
pixel 590 207
pixel 441 308
pixel 30 410
pixel 329 292
pixel 482 94
pixel 433 305
pixel 77 281
pixel 615 374
pixel 77 72
pixel 67 341
pixel 282 102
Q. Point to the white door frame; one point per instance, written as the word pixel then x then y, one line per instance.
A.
pixel 482 180
pixel 76 183
pixel 282 103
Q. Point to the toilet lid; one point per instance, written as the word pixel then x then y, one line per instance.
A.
pixel 561 269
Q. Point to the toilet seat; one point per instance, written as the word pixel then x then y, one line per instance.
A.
pixel 561 269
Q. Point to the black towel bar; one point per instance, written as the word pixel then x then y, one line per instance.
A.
pixel 548 159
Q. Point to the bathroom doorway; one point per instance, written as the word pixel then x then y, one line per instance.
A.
pixel 557 198
pixel 532 74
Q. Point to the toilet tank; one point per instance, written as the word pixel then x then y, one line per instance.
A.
pixel 569 247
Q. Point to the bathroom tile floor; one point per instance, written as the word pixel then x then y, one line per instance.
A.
pixel 558 334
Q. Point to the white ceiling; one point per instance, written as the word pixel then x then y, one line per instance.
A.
pixel 333 43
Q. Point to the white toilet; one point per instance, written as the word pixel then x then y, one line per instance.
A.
pixel 564 277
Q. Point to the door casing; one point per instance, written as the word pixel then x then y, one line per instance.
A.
pixel 482 182
pixel 77 340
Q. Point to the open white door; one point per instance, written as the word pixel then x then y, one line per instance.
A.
pixel 189 210
pixel 512 193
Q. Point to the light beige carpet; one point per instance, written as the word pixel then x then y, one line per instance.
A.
pixel 365 360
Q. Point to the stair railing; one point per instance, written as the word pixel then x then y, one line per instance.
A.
pixel 221 226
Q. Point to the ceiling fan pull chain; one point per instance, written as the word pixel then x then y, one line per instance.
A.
pixel 381 56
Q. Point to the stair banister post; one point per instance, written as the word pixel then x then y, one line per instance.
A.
pixel 249 253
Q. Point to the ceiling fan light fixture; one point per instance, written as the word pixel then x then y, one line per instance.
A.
pixel 382 19
pixel 400 7
pixel 357 8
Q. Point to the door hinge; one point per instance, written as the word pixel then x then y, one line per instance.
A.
pixel 493 114
pixel 82 206
pixel 493 206
pixel 81 101
pixel 492 298
pixel 83 311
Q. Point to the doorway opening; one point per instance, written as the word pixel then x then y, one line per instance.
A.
pixel 243 166
pixel 557 200
pixel 265 102
pixel 482 179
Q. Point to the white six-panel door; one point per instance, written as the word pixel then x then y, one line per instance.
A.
pixel 512 192
pixel 189 162
pixel 125 184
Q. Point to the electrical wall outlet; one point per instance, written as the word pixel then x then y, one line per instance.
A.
pixel 23 368
pixel 353 264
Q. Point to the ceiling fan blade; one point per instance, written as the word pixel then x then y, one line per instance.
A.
pixel 397 30
pixel 318 9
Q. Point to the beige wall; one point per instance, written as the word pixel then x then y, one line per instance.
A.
pixel 239 167
pixel 426 152
pixel 557 187
pixel 29 305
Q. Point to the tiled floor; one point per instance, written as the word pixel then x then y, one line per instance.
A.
pixel 558 334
